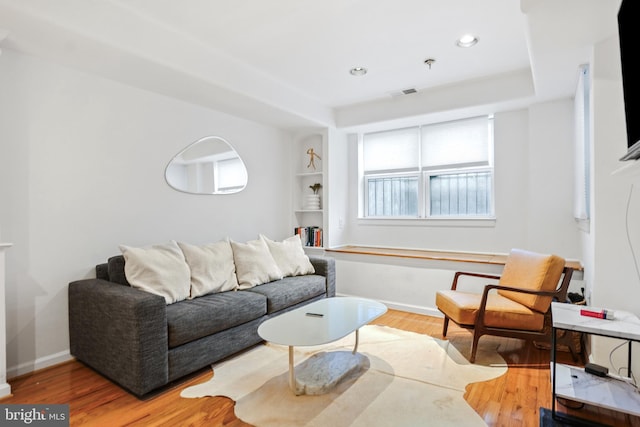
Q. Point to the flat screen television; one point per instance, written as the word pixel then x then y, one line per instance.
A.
pixel 627 31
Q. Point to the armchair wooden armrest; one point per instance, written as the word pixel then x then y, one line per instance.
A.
pixel 488 288
pixel 454 284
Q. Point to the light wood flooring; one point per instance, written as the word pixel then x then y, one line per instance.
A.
pixel 513 399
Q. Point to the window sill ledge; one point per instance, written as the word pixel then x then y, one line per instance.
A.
pixel 429 222
pixel 438 255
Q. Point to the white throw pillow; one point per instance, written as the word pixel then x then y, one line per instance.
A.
pixel 159 269
pixel 290 256
pixel 254 264
pixel 212 267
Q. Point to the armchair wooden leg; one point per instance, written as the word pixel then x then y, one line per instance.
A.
pixel 474 348
pixel 445 326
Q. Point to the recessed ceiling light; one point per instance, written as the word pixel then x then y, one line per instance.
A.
pixel 467 40
pixel 358 71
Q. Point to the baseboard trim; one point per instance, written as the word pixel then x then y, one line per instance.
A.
pixel 5 390
pixel 418 309
pixel 40 363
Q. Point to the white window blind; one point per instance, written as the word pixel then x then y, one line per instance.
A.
pixel 391 151
pixel 456 144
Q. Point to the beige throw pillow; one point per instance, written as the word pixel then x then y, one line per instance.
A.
pixel 290 256
pixel 212 267
pixel 159 269
pixel 254 264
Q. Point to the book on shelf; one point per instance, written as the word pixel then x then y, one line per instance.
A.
pixel 310 236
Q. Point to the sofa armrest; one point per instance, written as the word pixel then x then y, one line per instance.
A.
pixel 326 267
pixel 121 332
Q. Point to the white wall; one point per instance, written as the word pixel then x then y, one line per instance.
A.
pixel 82 164
pixel 550 203
pixel 338 173
pixel 401 283
pixel 612 273
pixel 533 203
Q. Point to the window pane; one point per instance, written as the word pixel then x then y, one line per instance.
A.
pixel 391 150
pixel 467 194
pixel 456 143
pixel 392 196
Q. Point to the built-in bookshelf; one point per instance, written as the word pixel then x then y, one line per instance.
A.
pixel 310 236
pixel 309 193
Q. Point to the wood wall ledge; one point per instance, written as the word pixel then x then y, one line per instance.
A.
pixel 496 259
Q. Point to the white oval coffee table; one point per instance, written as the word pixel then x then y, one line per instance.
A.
pixel 321 322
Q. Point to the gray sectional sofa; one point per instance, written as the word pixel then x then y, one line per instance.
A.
pixel 140 342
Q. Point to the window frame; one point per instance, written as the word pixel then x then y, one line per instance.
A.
pixel 424 201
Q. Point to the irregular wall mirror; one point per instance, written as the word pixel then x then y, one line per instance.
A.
pixel 207 166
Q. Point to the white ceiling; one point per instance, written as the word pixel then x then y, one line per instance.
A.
pixel 286 62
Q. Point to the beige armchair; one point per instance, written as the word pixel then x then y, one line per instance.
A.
pixel 516 306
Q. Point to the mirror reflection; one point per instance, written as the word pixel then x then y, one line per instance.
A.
pixel 207 166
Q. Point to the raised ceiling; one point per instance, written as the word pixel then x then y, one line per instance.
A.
pixel 287 62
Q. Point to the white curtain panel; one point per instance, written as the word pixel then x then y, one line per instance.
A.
pixel 581 135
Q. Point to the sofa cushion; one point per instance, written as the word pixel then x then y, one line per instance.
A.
pixel 290 291
pixel 158 269
pixel 254 264
pixel 290 256
pixel 212 267
pixel 196 318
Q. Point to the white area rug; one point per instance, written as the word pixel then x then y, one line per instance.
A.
pixel 412 380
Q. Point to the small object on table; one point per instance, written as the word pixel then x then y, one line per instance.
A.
pixel 599 314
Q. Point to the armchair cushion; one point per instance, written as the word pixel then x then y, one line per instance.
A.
pixel 500 312
pixel 532 271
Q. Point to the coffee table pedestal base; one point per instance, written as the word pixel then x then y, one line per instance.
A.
pixel 320 373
